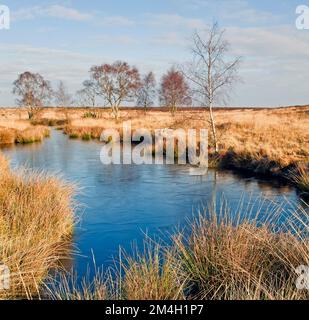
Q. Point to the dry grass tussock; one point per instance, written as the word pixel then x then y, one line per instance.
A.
pixel 281 135
pixel 224 255
pixel 229 256
pixel 264 141
pixel 21 132
pixel 36 220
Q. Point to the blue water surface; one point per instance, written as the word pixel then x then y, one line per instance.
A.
pixel 119 204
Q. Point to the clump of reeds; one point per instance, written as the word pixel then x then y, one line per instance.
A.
pixel 86 133
pixel 32 134
pixel 231 255
pixel 7 136
pixel 261 141
pixel 300 176
pixel 90 114
pixel 243 254
pixel 36 220
pixel 86 137
pixel 151 275
pixel 49 122
pixel 28 135
pixel 67 287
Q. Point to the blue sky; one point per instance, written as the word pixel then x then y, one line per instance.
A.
pixel 63 39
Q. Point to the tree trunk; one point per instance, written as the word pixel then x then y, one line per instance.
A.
pixel 30 112
pixel 116 112
pixel 213 128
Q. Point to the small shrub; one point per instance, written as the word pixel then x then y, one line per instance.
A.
pixel 91 115
pixel 86 137
pixel 73 136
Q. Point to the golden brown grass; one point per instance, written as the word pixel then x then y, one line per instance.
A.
pixel 301 177
pixel 36 220
pixel 226 258
pixel 281 135
pixel 225 255
pixel 231 257
pixel 151 275
pixel 7 136
pixel 275 136
pixel 266 141
pixel 33 134
pixel 21 132
pixel 68 288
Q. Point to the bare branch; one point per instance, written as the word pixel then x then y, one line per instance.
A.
pixel 210 72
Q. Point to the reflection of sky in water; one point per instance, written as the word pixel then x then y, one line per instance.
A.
pixel 121 203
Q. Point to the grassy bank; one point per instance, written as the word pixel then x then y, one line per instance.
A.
pixel 36 221
pixel 272 142
pixel 225 255
pixel 21 132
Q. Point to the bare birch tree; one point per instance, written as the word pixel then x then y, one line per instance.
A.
pixel 117 83
pixel 211 72
pixel 147 92
pixel 62 97
pixel 174 90
pixel 88 95
pixel 33 91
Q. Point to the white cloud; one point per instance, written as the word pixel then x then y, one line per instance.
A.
pixel 274 64
pixel 58 11
pixel 23 50
pixel 117 21
pixel 116 40
pixel 230 10
pixel 279 42
pixel 54 11
pixel 173 21
pixel 170 39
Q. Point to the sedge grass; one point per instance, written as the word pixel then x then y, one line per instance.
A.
pixel 23 136
pixel 36 222
pixel 226 255
pixel 300 176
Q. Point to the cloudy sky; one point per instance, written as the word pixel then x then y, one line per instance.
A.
pixel 63 39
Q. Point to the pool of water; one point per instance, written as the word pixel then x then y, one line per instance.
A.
pixel 120 203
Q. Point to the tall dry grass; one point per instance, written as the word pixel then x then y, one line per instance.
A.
pixel 229 256
pixel 300 176
pixel 33 134
pixel 151 275
pixel 278 135
pixel 7 136
pixel 268 141
pixel 245 254
pixel 36 221
pixel 23 136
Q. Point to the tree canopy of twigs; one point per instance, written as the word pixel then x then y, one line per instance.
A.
pixel 87 96
pixel 117 82
pixel 146 94
pixel 174 90
pixel 211 71
pixel 62 97
pixel 33 91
